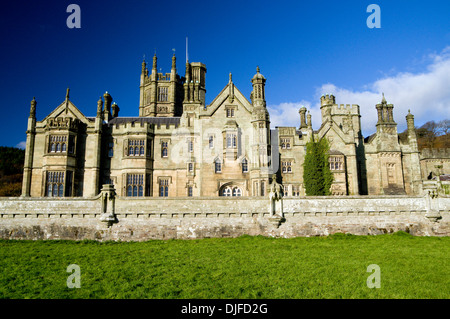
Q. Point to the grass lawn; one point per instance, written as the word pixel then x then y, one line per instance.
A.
pixel 246 267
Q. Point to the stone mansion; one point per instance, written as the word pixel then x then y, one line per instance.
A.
pixel 180 147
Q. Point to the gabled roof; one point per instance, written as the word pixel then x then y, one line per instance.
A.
pixel 67 109
pixel 221 98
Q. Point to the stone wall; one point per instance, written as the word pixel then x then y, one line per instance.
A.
pixel 188 218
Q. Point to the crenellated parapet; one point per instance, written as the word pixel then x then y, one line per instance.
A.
pixel 433 153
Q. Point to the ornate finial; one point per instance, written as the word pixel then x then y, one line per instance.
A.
pixel 154 61
pixel 174 60
pixel 99 106
pixel 33 107
pixel 383 100
pixel 67 93
pixel 230 78
pixel 257 69
pixel 144 64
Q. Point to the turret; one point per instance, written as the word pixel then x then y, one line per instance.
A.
pixel 29 150
pixel 326 104
pixel 258 93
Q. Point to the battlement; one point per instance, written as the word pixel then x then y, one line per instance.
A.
pixel 164 77
pixel 344 109
pixel 327 99
pixel 435 153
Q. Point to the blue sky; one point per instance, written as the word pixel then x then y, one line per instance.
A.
pixel 304 49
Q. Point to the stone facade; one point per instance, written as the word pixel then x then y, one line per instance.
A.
pixel 180 147
pixel 169 172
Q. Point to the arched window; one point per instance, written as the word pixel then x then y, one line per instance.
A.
pixel 52 147
pixel 226 191
pixel 49 191
pixel 135 191
pixel 164 152
pixel 141 191
pixel 55 191
pixel 58 147
pixel 237 191
pixel 136 151
pixel 63 147
pixel 61 190
pixel 141 151
pixel 130 191
pixel 131 151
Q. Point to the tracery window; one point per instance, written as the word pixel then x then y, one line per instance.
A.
pixel 163 93
pixel 164 149
pixel 57 143
pixel 55 184
pixel 135 185
pixel 231 140
pixel 229 191
pixel 136 147
pixel 163 187
pixel 286 166
pixel 285 143
pixel 336 163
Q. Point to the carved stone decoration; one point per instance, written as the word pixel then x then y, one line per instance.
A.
pixel 431 194
pixel 107 196
pixel 276 202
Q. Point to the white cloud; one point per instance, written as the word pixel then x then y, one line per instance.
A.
pixel 427 94
pixel 22 145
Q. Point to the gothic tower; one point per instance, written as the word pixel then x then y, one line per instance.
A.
pixel 160 94
pixel 261 162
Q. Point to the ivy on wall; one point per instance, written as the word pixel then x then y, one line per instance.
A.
pixel 317 177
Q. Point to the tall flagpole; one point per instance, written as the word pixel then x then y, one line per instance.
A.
pixel 187 56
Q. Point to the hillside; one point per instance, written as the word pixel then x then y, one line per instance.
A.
pixel 11 170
